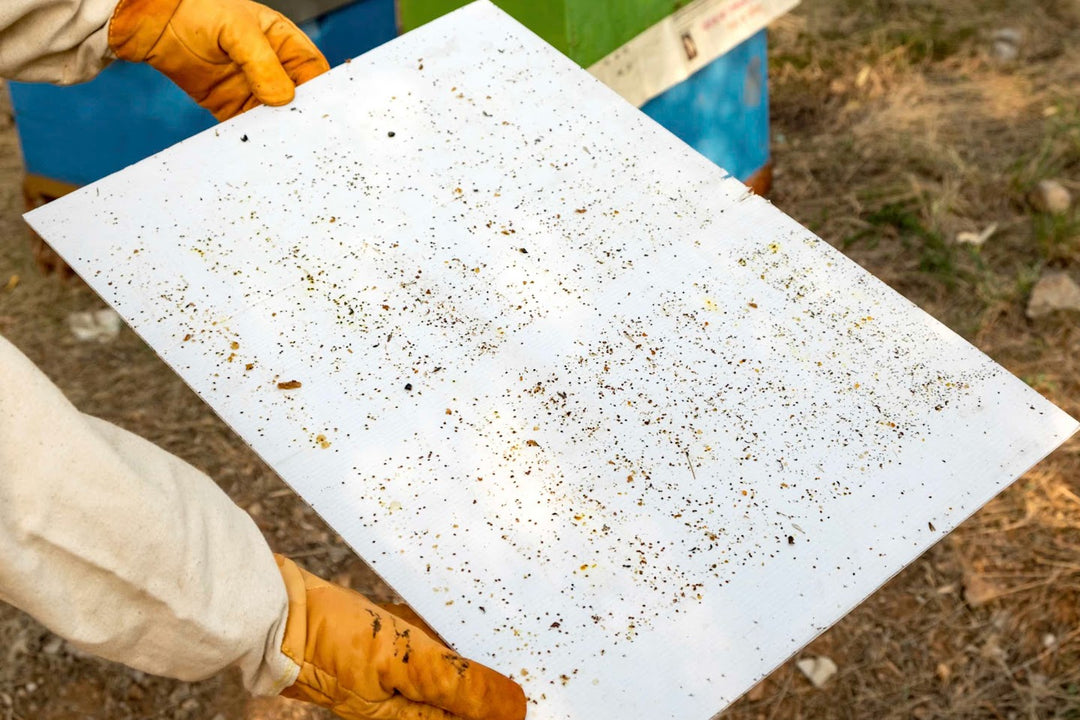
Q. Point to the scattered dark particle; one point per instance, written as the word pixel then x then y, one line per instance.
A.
pixel 408 386
pixel 580 211
pixel 556 624
pixel 790 539
pixel 243 138
pixel 523 251
pixel 482 609
pixel 290 385
pixel 753 305
pixel 931 526
pixel 532 443
pixel 391 134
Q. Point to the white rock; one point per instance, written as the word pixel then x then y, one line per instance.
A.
pixel 1050 196
pixel 1054 291
pixel 1006 44
pixel 101 325
pixel 818 670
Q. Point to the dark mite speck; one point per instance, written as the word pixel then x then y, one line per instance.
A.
pixel 790 539
pixel 523 251
pixel 391 134
pixel 408 386
pixel 243 138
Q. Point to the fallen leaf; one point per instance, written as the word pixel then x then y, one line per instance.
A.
pixel 977 239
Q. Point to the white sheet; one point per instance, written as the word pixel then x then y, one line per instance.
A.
pixel 608 422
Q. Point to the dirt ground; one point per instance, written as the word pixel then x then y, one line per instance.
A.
pixel 897 125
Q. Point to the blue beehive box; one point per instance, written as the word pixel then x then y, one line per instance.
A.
pixel 722 111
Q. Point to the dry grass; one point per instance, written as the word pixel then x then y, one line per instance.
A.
pixel 894 130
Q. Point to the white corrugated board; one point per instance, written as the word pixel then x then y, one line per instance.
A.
pixel 610 423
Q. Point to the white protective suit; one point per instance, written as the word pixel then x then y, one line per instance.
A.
pixel 125 550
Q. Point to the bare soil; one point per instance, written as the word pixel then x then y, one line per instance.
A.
pixel 897 124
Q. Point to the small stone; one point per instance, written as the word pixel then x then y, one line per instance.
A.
pixel 101 325
pixel 53 646
pixel 943 672
pixel 818 670
pixel 1050 196
pixel 1049 640
pixel 1053 292
pixel 1005 44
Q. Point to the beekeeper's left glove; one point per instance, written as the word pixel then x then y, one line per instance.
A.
pixel 365 663
pixel 228 55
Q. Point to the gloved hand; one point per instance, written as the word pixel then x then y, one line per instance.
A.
pixel 365 663
pixel 228 55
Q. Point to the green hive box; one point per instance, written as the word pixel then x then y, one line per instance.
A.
pixel 586 30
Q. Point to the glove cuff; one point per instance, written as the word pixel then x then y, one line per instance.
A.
pixel 311 685
pixel 137 25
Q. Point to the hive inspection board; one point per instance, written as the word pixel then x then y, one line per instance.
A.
pixel 610 423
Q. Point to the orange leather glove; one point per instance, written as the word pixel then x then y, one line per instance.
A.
pixel 365 663
pixel 228 55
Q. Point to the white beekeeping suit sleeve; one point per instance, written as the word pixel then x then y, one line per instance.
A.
pixel 55 41
pixel 127 551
